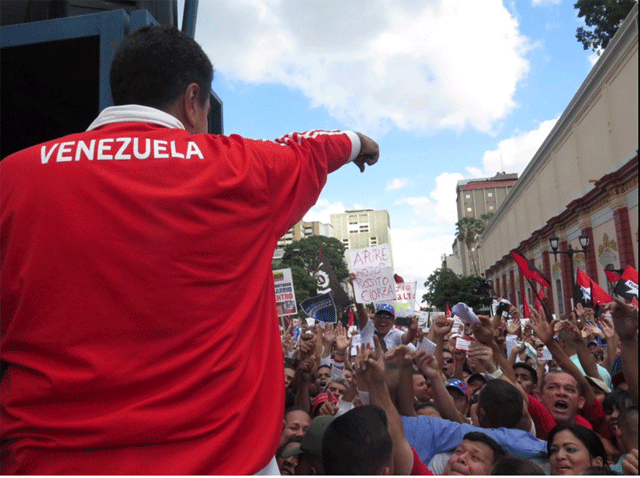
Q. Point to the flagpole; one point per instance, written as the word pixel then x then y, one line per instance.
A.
pixel 544 306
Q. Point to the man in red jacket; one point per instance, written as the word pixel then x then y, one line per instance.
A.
pixel 139 332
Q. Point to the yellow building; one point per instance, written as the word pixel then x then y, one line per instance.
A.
pixel 583 181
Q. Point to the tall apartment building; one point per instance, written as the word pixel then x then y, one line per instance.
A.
pixel 476 198
pixel 362 228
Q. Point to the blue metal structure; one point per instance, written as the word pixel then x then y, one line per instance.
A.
pixel 55 73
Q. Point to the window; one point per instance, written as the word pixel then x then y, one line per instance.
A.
pixel 469 209
pixel 490 195
pixel 346 243
pixel 373 241
pixel 467 196
pixel 491 208
pixel 364 227
pixel 353 228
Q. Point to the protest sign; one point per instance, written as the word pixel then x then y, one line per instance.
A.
pixel 405 301
pixel 320 307
pixel 374 274
pixel 285 295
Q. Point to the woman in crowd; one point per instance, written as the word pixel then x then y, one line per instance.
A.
pixel 574 449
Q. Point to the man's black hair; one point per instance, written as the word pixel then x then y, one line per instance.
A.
pixel 502 404
pixel 498 452
pixel 619 398
pixel 153 66
pixel 290 363
pixel 357 443
pixel 528 368
pixel 515 465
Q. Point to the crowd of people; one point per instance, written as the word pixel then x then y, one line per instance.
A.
pixel 139 332
pixel 528 395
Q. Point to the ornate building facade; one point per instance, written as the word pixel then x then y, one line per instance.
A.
pixel 583 181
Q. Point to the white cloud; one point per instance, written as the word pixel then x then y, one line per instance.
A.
pixel 417 253
pixel 536 3
pixel 445 196
pixel 322 211
pixel 595 56
pixel 422 207
pixel 513 154
pixel 397 183
pixel 418 66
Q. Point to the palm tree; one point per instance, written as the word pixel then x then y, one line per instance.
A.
pixel 468 229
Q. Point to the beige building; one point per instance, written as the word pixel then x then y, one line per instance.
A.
pixel 582 181
pixel 477 198
pixel 362 228
pixel 300 231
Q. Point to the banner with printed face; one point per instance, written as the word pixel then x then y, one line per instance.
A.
pixel 373 267
pixel 405 301
pixel 285 295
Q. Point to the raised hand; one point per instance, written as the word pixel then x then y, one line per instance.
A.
pixel 606 322
pixel 540 326
pixel 625 319
pixel 483 356
pixel 515 327
pixel 329 407
pixel 427 364
pixel 442 326
pixel 342 341
pixel 401 355
pixel 329 336
pixel 483 331
pixel 370 364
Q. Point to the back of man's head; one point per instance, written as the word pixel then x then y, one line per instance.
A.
pixel 500 404
pixel 357 443
pixel 628 423
pixel 154 65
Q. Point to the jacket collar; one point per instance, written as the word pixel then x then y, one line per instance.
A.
pixel 135 114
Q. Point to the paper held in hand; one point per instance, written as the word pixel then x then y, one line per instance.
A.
pixel 374 274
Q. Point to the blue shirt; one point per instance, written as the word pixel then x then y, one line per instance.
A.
pixel 431 435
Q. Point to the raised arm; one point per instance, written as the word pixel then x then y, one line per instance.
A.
pixel 361 310
pixel 625 321
pixel 370 365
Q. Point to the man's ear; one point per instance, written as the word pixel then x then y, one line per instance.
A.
pixel 581 402
pixel 191 101
pixel 597 461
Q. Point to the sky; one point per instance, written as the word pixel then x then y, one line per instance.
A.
pixel 450 90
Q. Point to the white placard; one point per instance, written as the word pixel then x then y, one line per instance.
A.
pixel 374 274
pixel 285 295
pixel 405 301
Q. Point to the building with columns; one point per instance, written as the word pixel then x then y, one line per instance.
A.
pixel 582 181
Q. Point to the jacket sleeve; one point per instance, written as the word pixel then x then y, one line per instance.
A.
pixel 296 168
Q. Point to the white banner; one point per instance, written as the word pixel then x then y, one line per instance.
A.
pixel 285 295
pixel 374 274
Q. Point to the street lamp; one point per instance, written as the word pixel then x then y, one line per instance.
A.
pixel 584 243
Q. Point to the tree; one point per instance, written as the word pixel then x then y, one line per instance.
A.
pixel 445 286
pixel 468 229
pixel 302 258
pixel 605 17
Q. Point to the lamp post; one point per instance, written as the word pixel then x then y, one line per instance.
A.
pixel 584 243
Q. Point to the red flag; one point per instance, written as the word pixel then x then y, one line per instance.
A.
pixel 352 318
pixel 613 275
pixel 398 279
pixel 539 299
pixel 598 294
pixel 448 311
pixel 630 274
pixel 634 303
pixel 530 271
pixel 526 310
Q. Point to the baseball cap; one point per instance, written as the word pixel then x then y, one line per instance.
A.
pixel 458 385
pixel 599 383
pixel 320 399
pixel 385 308
pixel 312 440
